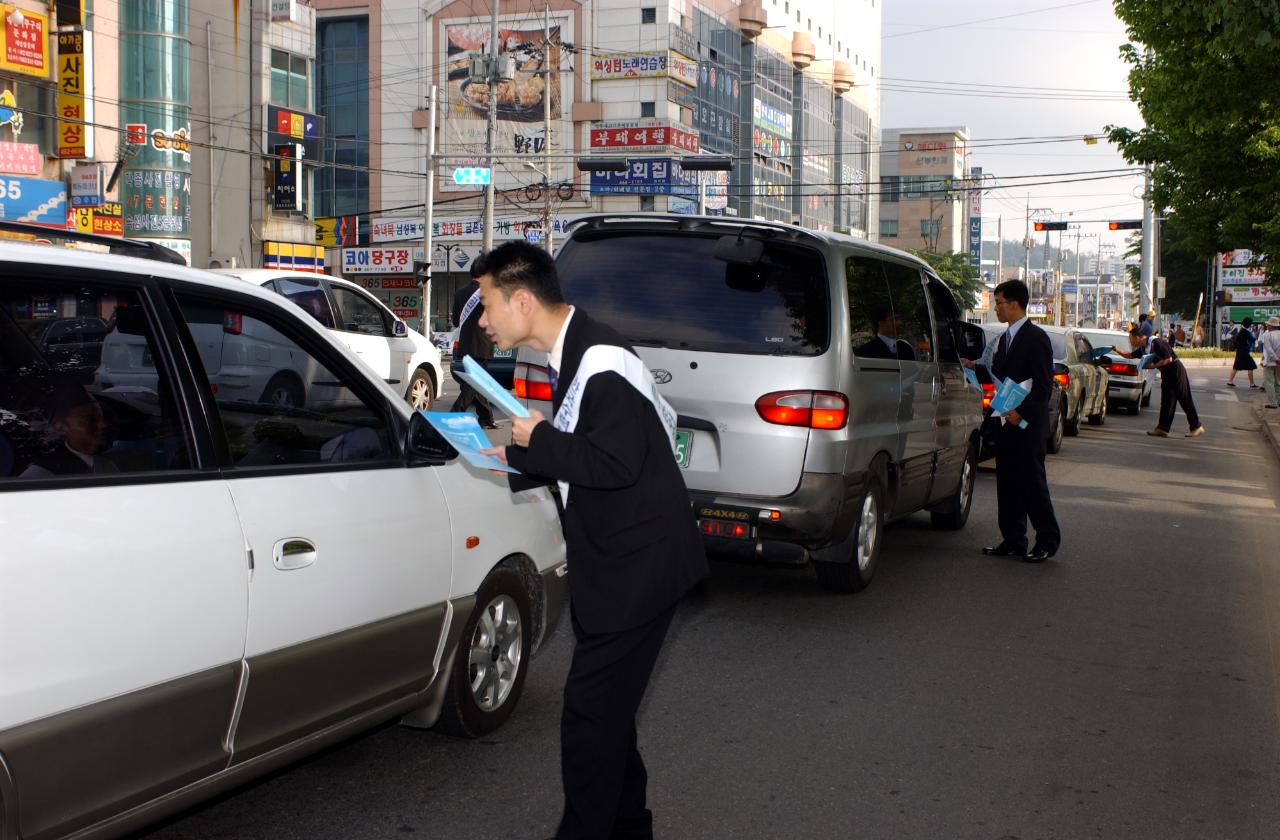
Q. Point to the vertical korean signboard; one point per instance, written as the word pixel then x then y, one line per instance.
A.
pixel 25 42
pixel 975 217
pixel 71 82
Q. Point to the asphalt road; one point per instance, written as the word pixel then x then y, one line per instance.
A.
pixel 1126 689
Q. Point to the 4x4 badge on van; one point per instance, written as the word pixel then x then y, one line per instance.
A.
pixel 662 377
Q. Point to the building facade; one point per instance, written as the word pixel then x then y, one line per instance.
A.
pixel 923 190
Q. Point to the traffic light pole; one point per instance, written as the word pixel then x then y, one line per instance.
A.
pixel 425 326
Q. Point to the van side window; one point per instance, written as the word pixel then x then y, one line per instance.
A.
pixel 309 295
pixel 911 309
pixel 946 314
pixel 870 308
pixel 85 391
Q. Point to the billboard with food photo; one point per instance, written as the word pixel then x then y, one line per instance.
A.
pixel 521 130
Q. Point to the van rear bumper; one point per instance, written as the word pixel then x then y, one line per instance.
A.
pixel 819 512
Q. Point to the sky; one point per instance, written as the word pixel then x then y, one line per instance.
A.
pixel 1035 69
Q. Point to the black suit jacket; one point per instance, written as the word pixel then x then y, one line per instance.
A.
pixel 1029 357
pixel 471 339
pixel 632 542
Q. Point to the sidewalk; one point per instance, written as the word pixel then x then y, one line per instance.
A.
pixel 1269 419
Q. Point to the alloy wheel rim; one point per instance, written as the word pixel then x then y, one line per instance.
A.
pixel 868 526
pixel 496 647
pixel 966 485
pixel 418 394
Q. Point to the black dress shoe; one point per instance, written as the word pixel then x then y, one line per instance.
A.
pixel 1037 555
pixel 1000 550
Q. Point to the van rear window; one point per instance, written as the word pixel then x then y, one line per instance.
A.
pixel 663 290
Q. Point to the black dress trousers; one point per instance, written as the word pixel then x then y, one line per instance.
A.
pixel 1175 390
pixel 1022 488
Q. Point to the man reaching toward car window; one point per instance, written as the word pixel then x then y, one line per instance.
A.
pixel 631 541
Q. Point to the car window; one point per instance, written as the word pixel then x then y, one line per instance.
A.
pixel 309 295
pixel 359 313
pixel 947 315
pixel 1083 348
pixel 663 290
pixel 1058 341
pixel 98 402
pixel 870 306
pixel 279 404
pixel 911 309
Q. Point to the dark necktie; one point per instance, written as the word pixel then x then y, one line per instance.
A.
pixel 1004 342
pixel 554 375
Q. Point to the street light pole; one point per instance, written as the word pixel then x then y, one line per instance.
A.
pixel 491 129
pixel 546 127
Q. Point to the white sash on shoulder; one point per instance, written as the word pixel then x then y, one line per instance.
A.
pixel 600 358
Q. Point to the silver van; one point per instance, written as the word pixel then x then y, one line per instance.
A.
pixel 816 377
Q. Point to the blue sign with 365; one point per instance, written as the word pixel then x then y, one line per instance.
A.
pixel 33 200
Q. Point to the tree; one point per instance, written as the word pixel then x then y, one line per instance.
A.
pixel 1182 268
pixel 954 270
pixel 1206 91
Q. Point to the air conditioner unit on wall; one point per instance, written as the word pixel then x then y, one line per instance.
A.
pixel 224 262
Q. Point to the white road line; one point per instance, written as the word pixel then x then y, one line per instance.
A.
pixel 1225 398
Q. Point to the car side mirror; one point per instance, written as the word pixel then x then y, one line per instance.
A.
pixel 426 446
pixel 737 250
pixel 399 329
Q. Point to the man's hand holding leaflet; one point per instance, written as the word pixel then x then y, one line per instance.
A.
pixel 1009 395
pixel 487 387
pixel 462 431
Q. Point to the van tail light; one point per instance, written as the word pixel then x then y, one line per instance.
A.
pixel 811 409
pixel 1125 370
pixel 1064 379
pixel 527 390
pixel 232 323
pixel 988 391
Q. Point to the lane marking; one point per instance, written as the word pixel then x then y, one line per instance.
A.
pixel 1225 398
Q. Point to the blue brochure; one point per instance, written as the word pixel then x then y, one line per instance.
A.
pixel 1009 395
pixel 1099 352
pixel 972 379
pixel 500 398
pixel 1146 361
pixel 463 432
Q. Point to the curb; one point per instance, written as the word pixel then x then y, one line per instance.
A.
pixel 1270 423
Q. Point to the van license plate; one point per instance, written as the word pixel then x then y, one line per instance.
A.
pixel 684 443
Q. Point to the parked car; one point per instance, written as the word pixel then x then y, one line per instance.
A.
pixel 1057 404
pixel 799 434
pixel 1083 378
pixel 199 585
pixel 72 343
pixel 406 359
pixel 1125 386
pixel 501 367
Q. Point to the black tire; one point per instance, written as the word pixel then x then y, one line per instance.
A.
pixel 421 392
pixel 490 635
pixel 853 573
pixel 284 389
pixel 956 513
pixel 1146 399
pixel 1099 418
pixel 1056 429
pixel 1072 425
pixel 1135 407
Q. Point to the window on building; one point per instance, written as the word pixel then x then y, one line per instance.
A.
pixel 342 98
pixel 648 109
pixel 889 189
pixel 928 227
pixel 646 202
pixel 648 14
pixel 889 227
pixel 290 80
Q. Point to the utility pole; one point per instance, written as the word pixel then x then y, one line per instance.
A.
pixel 546 127
pixel 1026 246
pixel 492 129
pixel 425 326
pixel 1147 274
pixel 1077 310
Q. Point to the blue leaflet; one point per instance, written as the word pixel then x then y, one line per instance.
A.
pixel 1009 395
pixel 464 434
pixel 972 379
pixel 1146 361
pixel 500 398
pixel 1099 352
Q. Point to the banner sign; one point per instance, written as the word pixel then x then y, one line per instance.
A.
pixel 157 202
pixel 338 231
pixel 105 220
pixel 20 158
pixel 387 229
pixel 380 260
pixel 26 44
pixel 1243 275
pixel 34 200
pixel 293 256
pixel 288 126
pixel 1253 294
pixel 772 119
pixel 71 86
pixel 463 228
pixel 86 185
pixel 650 135
pixel 652 176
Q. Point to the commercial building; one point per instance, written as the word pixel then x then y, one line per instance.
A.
pixel 924 192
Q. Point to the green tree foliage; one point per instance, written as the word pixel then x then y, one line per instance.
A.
pixel 954 270
pixel 1182 267
pixel 1207 94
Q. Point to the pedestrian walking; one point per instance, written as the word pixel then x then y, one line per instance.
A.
pixel 1022 487
pixel 1175 387
pixel 1243 344
pixel 633 546
pixel 1270 342
pixel 466 315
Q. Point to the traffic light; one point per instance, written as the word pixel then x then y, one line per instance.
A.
pixel 1051 226
pixel 1128 224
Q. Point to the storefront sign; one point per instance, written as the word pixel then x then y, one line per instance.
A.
pixel 379 260
pixel 629 66
pixel 683 70
pixel 682 95
pixel 157 203
pixel 104 220
pixel 388 229
pixel 1259 314
pixel 285 126
pixel 86 185
pixel 652 176
pixel 1253 294
pixel 1239 257
pixel 293 256
pixel 1243 275
pixel 338 231
pixel 452 257
pixel 26 42
pixel 771 119
pixel 650 135
pixel 34 200
pixel 71 86
pixel 376 284
pixel 463 228
pixel 20 158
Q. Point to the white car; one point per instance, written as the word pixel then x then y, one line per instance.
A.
pixel 407 360
pixel 198 586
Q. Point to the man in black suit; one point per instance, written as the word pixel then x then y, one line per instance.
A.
pixel 467 312
pixel 1022 489
pixel 633 547
pixel 885 344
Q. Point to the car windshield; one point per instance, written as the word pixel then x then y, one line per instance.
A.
pixel 668 290
pixel 1104 338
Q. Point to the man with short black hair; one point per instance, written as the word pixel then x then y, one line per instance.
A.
pixel 632 542
pixel 1175 387
pixel 466 315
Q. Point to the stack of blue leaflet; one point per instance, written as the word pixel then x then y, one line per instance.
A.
pixel 1009 395
pixel 500 398
pixel 464 434
pixel 1099 352
pixel 1146 361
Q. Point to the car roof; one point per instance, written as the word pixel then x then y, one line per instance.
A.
pixel 262 275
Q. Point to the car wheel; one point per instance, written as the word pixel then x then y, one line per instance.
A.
pixel 1072 426
pixel 1057 427
pixel 1135 407
pixel 492 659
pixel 1099 418
pixel 855 573
pixel 956 513
pixel 421 391
pixel 1146 399
pixel 285 390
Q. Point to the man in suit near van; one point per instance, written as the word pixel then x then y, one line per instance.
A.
pixel 471 342
pixel 1022 488
pixel 633 547
pixel 885 344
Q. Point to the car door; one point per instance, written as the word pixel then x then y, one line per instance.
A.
pixel 1097 375
pixel 956 399
pixel 918 410
pixel 368 330
pixel 351 549
pixel 876 392
pixel 123 579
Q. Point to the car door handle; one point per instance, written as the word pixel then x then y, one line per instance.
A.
pixel 293 553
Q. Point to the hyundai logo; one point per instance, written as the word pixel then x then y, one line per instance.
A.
pixel 662 377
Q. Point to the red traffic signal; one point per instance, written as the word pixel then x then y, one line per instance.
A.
pixel 1051 225
pixel 1128 224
